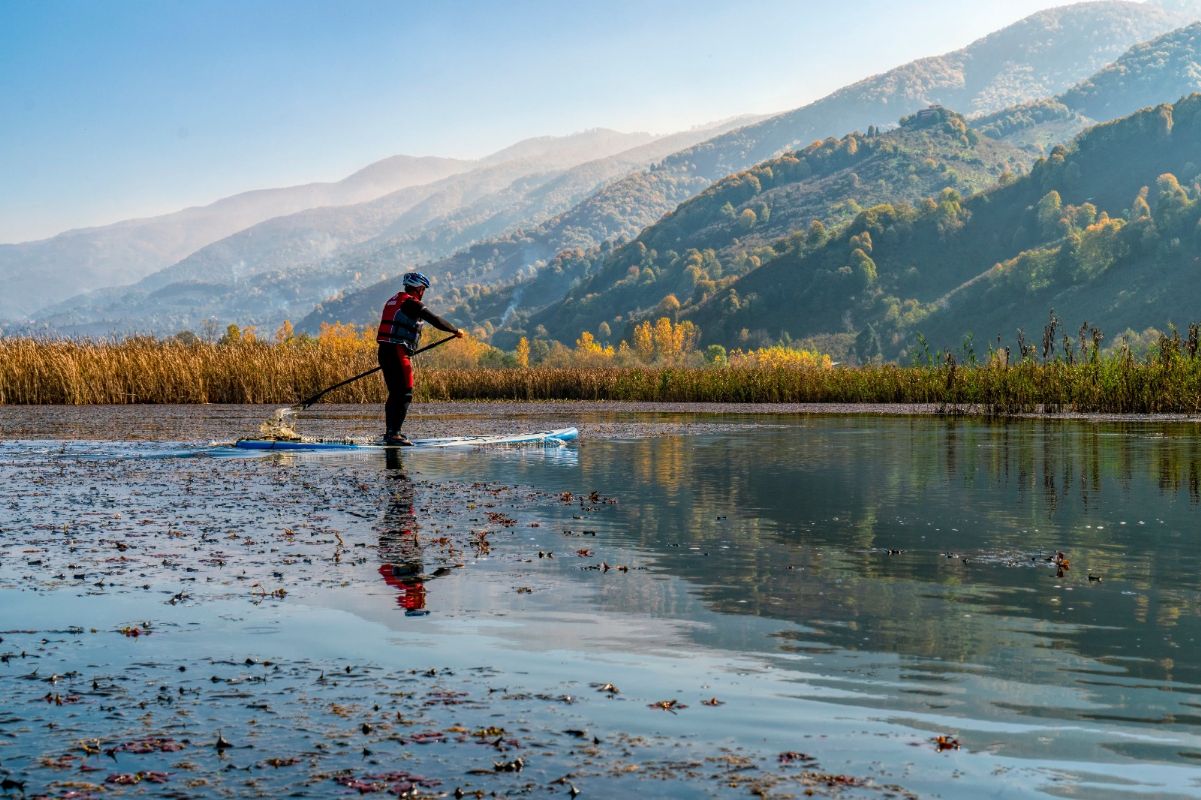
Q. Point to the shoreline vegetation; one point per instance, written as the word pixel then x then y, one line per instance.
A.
pixel 661 366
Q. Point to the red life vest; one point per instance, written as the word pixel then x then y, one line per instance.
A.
pixel 397 327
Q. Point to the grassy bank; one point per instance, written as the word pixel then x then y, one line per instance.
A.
pixel 154 371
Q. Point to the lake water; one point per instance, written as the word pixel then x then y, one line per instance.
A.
pixel 684 604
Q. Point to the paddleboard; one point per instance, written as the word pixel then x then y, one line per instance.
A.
pixel 555 437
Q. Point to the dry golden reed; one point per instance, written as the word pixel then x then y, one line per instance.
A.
pixel 145 370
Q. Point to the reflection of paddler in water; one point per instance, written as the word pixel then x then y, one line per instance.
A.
pixel 400 548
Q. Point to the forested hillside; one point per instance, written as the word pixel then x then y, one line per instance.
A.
pixel 724 242
pixel 1161 70
pixel 744 220
pixel 1037 57
pixel 1103 230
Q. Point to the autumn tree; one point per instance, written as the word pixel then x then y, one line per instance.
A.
pixel 284 333
pixel 644 342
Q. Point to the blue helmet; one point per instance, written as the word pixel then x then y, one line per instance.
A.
pixel 416 279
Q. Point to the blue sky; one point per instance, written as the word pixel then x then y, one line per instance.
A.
pixel 111 110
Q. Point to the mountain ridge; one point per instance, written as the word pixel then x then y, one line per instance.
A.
pixel 647 196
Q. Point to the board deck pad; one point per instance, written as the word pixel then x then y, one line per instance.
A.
pixel 556 437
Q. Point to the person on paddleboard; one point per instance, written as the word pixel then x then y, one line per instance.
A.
pixel 399 332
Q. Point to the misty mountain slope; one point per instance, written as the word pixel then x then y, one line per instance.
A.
pixel 1072 234
pixel 38 273
pixel 1161 70
pixel 575 148
pixel 284 266
pixel 311 235
pixel 1038 56
pixel 613 212
pixel 1167 66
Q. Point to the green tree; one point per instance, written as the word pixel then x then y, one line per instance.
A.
pixel 817 234
pixel 863 268
pixel 868 348
pixel 1049 212
pixel 1172 201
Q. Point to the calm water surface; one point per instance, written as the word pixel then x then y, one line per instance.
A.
pixel 847 586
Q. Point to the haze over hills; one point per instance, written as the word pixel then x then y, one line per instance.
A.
pixel 293 241
pixel 40 272
pixel 284 266
pixel 1163 69
pixel 1060 47
pixel 127 252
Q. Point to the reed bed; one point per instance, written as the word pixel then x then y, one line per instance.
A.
pixel 154 371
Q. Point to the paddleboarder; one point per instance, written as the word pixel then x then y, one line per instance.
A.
pixel 399 332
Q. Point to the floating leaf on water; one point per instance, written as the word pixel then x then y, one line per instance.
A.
pixel 282 762
pixel 667 705
pixel 942 743
pixel 151 744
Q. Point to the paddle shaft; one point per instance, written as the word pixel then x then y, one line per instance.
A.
pixel 303 405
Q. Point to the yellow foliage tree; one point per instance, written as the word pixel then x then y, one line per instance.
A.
pixel 669 306
pixel 644 342
pixel 665 338
pixel 342 338
pixel 285 332
pixel 589 352
pixel 462 353
pixel 780 357
pixel 522 354
pixel 587 343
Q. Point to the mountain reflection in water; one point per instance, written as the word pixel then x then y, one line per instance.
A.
pixel 912 561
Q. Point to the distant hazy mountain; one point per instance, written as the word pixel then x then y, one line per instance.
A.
pixel 281 268
pixel 41 272
pixel 297 240
pixel 1039 56
pixel 1161 70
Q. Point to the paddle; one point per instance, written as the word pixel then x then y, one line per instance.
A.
pixel 303 405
